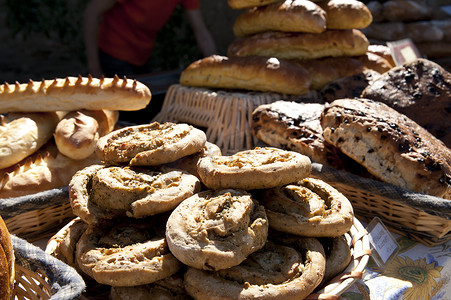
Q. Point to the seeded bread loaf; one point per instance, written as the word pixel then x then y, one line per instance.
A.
pixel 389 145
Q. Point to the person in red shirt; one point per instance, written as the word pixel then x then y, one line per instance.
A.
pixel 120 34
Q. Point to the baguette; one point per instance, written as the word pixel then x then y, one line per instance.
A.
pixel 346 14
pixel 74 93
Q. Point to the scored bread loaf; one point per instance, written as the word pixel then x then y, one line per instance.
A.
pixel 21 134
pixel 248 73
pixel 297 45
pixel 389 145
pixel 74 93
pixel 346 14
pixel 76 135
pixel 373 61
pixel 46 169
pixel 288 15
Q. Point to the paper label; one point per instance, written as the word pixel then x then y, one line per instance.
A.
pixel 383 244
pixel 403 51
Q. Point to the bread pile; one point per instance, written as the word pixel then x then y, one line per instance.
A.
pixel 388 144
pixel 290 47
pixel 49 129
pixel 7 259
pixel 253 224
pixel 428 27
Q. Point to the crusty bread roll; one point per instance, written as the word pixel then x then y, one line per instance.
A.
pixel 7 259
pixel 389 145
pixel 248 73
pixel 76 135
pixel 74 93
pixel 406 10
pixel 418 31
pixel 297 45
pixel 243 4
pixel 346 14
pixel 383 51
pixel 21 134
pixel 44 170
pixel 325 70
pixel 288 15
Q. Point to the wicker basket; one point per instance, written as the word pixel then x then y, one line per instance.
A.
pixel 423 218
pixel 37 216
pixel 41 276
pixel 226 115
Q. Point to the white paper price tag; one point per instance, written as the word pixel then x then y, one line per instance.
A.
pixel 383 244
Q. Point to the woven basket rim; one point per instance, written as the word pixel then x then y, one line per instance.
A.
pixel 56 279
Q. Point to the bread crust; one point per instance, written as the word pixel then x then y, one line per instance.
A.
pixel 247 73
pixel 7 261
pixel 389 145
pixel 288 15
pixel 277 274
pixel 346 14
pixel 150 144
pixel 257 168
pixel 299 45
pixel 44 170
pixel 99 193
pixel 126 254
pixel 207 231
pixel 309 207
pixel 74 93
pixel 421 90
pixel 22 134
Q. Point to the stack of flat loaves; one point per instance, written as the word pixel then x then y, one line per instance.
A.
pixel 388 144
pixel 250 225
pixel 49 129
pixel 289 47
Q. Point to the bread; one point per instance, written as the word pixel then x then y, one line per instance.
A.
pixel 257 168
pixel 288 15
pixel 44 170
pixel 247 73
pixel 418 31
pixel 348 86
pixel 421 90
pixel 98 192
pixel 338 256
pixel 7 260
pixel 325 70
pixel 346 14
pixel 309 207
pixel 372 61
pixel 383 51
pixel 244 4
pixel 405 10
pixel 216 229
pixel 76 135
pixel 74 93
pixel 286 268
pixel 150 144
pixel 126 253
pixel 22 134
pixel 392 147
pixel 295 45
pixel 438 49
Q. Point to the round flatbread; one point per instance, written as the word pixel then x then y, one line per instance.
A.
pixel 215 230
pixel 100 192
pixel 150 144
pixel 288 268
pixel 258 168
pixel 310 207
pixel 128 254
